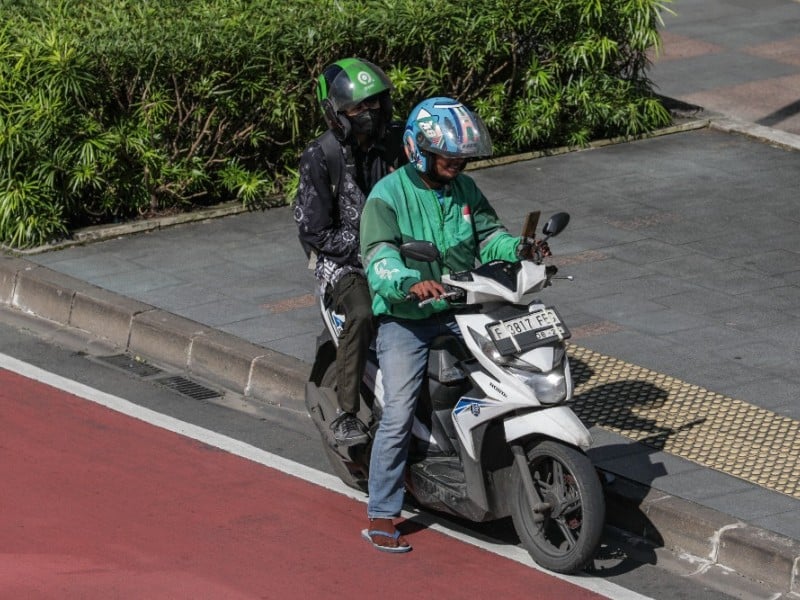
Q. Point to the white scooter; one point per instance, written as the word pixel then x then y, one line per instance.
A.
pixel 493 435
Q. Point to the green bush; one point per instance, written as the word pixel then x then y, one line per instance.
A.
pixel 113 110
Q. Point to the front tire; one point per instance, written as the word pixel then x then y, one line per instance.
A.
pixel 564 534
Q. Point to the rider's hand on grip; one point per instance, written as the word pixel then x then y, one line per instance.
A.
pixel 426 291
pixel 531 249
pixel 543 249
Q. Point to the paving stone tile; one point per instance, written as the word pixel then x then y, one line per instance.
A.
pixel 175 298
pixel 774 94
pixel 704 485
pixel 773 393
pixel 787 524
pixel 720 71
pixel 686 266
pixel 647 251
pixel 654 468
pixel 700 301
pixel 772 262
pixel 265 328
pixel 736 281
pixel 752 505
pixel 135 284
pixel 87 266
pixel 662 321
pixel 785 50
pixel 300 344
pixel 678 47
pixel 220 313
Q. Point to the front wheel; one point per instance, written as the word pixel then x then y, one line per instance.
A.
pixel 562 530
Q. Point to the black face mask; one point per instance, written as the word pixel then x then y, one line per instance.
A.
pixel 367 123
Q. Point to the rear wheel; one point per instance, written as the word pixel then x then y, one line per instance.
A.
pixel 562 530
pixel 352 473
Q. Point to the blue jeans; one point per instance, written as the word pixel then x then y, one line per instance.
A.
pixel 403 347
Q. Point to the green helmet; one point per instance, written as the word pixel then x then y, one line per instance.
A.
pixel 345 84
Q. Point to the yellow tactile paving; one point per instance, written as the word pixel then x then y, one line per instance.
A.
pixel 689 421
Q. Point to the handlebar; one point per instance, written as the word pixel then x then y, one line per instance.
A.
pixel 453 294
pixel 446 296
pixel 507 271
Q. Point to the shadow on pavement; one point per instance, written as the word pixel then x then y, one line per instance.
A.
pixel 628 468
pixel 780 115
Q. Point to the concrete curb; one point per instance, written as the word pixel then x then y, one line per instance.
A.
pixel 646 514
pixel 684 527
pixel 768 135
pixel 143 330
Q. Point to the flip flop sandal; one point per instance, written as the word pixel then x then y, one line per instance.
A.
pixel 367 535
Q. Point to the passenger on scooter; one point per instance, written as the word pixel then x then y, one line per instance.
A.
pixel 428 199
pixel 337 171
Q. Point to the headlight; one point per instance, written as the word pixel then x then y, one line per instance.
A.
pixel 489 349
pixel 549 388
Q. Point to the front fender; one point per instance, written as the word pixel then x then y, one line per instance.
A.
pixel 559 423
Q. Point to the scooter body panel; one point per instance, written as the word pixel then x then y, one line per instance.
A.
pixel 558 422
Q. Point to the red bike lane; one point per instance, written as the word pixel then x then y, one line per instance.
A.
pixel 97 504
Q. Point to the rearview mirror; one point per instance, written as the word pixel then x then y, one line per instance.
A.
pixel 419 250
pixel 555 224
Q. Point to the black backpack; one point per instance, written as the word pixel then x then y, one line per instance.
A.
pixel 393 153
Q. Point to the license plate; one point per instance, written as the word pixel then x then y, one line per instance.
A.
pixel 527 331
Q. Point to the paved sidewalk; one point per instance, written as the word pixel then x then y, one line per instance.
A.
pixel 685 307
pixel 741 59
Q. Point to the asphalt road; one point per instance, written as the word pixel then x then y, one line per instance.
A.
pixel 102 502
pixel 134 510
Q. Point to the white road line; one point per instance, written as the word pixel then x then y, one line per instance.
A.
pixel 239 448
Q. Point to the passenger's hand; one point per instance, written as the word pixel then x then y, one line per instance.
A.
pixel 427 289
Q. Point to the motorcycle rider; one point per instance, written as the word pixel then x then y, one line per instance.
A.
pixel 428 199
pixel 337 171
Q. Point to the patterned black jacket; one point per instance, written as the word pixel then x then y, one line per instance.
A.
pixel 329 225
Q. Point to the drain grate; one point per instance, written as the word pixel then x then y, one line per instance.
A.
pixel 130 364
pixel 187 387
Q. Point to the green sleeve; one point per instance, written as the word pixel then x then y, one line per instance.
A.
pixel 387 274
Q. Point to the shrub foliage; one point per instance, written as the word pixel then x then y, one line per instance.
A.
pixel 113 110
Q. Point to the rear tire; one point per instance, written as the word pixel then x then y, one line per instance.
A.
pixel 353 474
pixel 568 534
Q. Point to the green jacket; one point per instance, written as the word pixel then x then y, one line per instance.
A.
pixel 400 208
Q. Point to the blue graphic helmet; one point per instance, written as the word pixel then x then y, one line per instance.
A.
pixel 445 127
